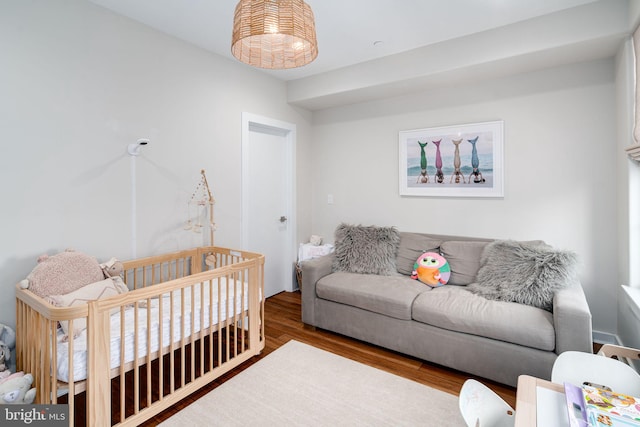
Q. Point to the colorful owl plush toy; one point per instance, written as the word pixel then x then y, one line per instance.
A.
pixel 431 269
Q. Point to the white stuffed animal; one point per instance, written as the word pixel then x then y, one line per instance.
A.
pixel 16 389
pixel 7 342
pixel 112 268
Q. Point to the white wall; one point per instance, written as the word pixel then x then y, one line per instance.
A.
pixel 77 85
pixel 560 142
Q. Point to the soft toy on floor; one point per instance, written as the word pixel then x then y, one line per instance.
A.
pixel 16 389
pixel 7 343
pixel 431 269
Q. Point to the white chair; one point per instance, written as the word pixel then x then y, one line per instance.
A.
pixel 481 407
pixel 577 368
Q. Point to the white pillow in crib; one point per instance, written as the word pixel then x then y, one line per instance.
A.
pixel 98 290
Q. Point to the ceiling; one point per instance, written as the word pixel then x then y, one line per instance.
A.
pixel 383 32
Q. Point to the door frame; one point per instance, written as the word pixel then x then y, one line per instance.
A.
pixel 256 123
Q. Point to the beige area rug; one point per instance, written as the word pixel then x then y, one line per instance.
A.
pixel 300 385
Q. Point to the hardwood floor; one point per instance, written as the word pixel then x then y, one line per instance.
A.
pixel 282 323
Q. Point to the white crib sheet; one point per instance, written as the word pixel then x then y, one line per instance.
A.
pixel 80 342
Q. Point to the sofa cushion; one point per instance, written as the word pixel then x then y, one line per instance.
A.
pixel 412 245
pixel 368 250
pixel 524 272
pixel 388 295
pixel 456 309
pixel 464 259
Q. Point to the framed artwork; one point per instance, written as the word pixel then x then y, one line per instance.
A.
pixel 452 161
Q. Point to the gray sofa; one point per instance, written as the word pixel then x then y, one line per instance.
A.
pixel 447 325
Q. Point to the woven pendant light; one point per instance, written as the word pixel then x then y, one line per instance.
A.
pixel 274 34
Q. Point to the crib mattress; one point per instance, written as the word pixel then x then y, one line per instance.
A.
pixel 181 325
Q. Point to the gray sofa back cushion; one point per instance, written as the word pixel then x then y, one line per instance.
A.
pixel 464 260
pixel 412 245
pixel 366 249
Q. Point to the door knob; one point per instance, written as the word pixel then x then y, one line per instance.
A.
pixel 283 218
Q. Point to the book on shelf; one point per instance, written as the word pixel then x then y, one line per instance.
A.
pixel 590 406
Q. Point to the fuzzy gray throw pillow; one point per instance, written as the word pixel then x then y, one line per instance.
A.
pixel 368 250
pixel 526 273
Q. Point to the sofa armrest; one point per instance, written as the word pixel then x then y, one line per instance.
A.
pixel 312 271
pixel 572 320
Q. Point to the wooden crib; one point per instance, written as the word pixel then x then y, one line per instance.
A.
pixel 188 318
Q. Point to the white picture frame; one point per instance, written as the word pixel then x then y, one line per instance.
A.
pixel 475 169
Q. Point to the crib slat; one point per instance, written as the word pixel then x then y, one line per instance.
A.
pixel 212 347
pixel 226 320
pixel 72 386
pixel 172 347
pixel 149 351
pixel 237 308
pixel 202 326
pixel 122 371
pixel 136 371
pixel 51 388
pixel 220 324
pixel 192 353
pixel 161 345
pixel 244 308
pixel 182 342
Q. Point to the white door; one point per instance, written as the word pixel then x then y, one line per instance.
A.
pixel 268 197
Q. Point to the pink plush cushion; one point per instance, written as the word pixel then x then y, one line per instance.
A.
pixel 63 273
pixel 103 289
